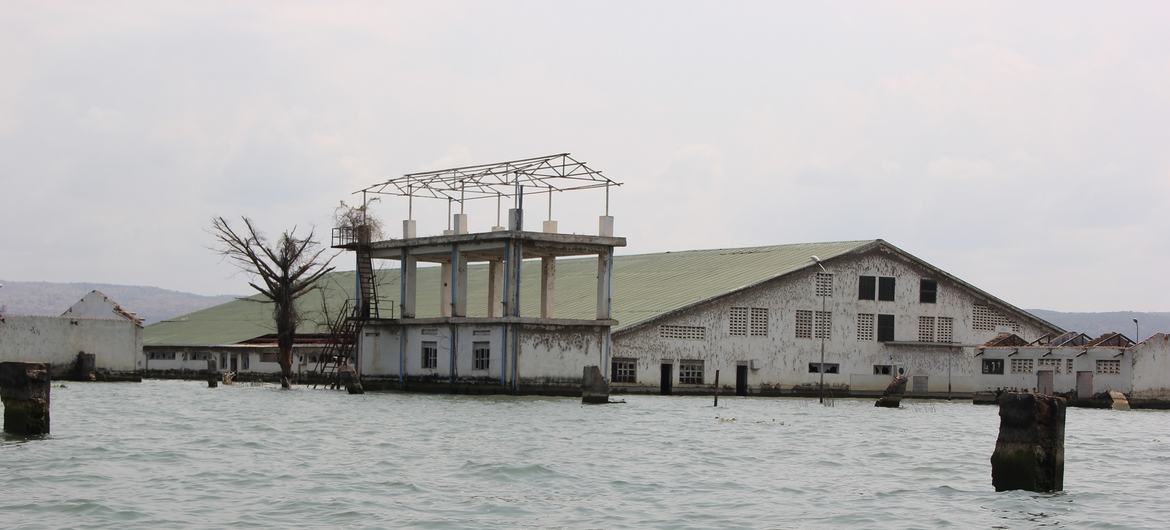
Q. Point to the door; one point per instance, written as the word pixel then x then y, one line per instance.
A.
pixel 236 363
pixel 1044 382
pixel 741 373
pixel 667 378
pixel 919 384
pixel 1084 385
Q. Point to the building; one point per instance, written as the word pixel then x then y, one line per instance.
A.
pixel 95 325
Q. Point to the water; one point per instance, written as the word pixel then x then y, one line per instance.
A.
pixel 169 454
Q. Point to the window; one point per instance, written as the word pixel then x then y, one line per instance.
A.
pixel 993 366
pixel 162 356
pixel 865 326
pixel 1108 366
pixel 882 369
pixel 270 358
pixel 247 360
pixel 682 332
pixel 804 324
pixel 481 354
pixel 759 322
pixel 624 370
pixel 824 324
pixel 946 329
pixel 430 354
pixel 927 291
pixel 866 288
pixel 925 329
pixel 1052 365
pixel 1021 366
pixel 223 361
pixel 690 372
pixel 984 318
pixel 885 328
pixel 830 368
pixel 200 356
pixel 1069 366
pixel 739 321
pixel 824 284
pixel 886 289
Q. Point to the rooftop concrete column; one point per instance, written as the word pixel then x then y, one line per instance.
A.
pixel 515 254
pixel 459 223
pixel 408 229
pixel 408 285
pixel 495 288
pixel 548 276
pixel 515 219
pixel 604 283
pixel 445 289
pixel 24 390
pixel 605 226
pixel 458 282
pixel 550 227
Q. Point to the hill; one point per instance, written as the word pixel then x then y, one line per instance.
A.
pixel 1094 324
pixel 151 303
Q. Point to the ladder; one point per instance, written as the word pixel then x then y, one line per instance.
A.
pixel 343 336
pixel 367 284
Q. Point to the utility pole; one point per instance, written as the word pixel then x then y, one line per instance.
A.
pixel 821 332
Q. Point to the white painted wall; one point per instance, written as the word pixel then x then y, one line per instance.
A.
pixel 95 305
pixel 116 344
pixel 782 359
pixel 1063 380
pixel 1151 368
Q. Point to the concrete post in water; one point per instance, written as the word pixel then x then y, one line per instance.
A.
pixel 347 377
pixel 212 374
pixel 1029 454
pixel 594 389
pixel 24 390
pixel 85 368
pixel 892 397
pixel 716 388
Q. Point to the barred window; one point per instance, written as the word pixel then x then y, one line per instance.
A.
pixel 882 369
pixel 161 356
pixel 668 331
pixel 985 318
pixel 993 366
pixel 1052 365
pixel 690 372
pixel 481 355
pixel 925 329
pixel 624 370
pixel 946 329
pixel 430 354
pixel 824 324
pixel 1108 366
pixel 759 322
pixel 1021 366
pixel 824 284
pixel 885 328
pixel 739 321
pixel 865 326
pixel 804 324
pixel 1069 366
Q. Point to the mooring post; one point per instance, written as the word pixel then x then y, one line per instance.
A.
pixel 716 388
pixel 24 390
pixel 594 389
pixel 1029 454
pixel 212 374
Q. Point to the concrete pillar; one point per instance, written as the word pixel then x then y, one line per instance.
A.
pixel 459 289
pixel 1029 454
pixel 212 373
pixel 605 226
pixel 445 289
pixel 548 276
pixel 515 219
pixel 24 390
pixel 512 283
pixel 408 229
pixel 495 288
pixel 408 287
pixel 459 223
pixel 550 227
pixel 594 389
pixel 604 283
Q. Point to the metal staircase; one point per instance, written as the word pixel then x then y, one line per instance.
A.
pixel 344 333
pixel 367 285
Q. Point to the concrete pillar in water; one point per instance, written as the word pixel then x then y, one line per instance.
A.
pixel 212 374
pixel 24 389
pixel 85 368
pixel 594 389
pixel 1029 454
pixel 348 378
pixel 892 397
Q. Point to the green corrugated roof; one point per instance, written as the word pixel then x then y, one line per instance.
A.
pixel 645 286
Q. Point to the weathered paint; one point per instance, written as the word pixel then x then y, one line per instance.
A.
pixel 56 341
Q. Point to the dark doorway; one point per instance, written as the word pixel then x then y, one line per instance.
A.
pixel 667 378
pixel 1084 385
pixel 235 363
pixel 741 373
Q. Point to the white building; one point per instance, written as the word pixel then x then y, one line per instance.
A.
pixel 95 324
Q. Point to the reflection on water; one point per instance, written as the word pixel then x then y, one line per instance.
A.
pixel 177 454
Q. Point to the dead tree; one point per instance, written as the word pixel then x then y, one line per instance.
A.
pixel 287 271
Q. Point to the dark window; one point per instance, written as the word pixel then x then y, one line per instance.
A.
pixel 247 361
pixel 690 372
pixel 866 287
pixel 882 369
pixel 624 371
pixel 885 328
pixel 481 355
pixel 830 368
pixel 993 366
pixel 928 291
pixel 430 354
pixel 886 289
pixel 223 360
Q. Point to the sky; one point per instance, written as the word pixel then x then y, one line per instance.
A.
pixel 1023 147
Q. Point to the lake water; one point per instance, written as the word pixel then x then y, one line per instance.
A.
pixel 171 454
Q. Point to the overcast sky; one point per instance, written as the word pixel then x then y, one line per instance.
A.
pixel 1020 146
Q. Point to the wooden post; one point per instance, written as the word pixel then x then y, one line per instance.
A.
pixel 716 388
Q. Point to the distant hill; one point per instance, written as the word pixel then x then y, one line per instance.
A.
pixel 1094 324
pixel 150 303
